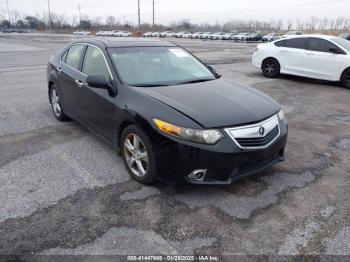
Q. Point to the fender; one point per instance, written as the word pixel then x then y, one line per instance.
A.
pixel 130 117
pixel 53 77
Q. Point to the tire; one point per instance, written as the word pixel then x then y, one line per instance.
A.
pixel 56 104
pixel 271 68
pixel 136 147
pixel 345 78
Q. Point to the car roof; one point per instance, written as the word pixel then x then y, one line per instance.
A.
pixel 326 37
pixel 125 42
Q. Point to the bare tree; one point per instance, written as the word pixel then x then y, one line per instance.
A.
pixel 110 21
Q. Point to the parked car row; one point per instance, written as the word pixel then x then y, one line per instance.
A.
pixel 218 35
pixel 15 30
pixel 293 33
pixel 117 33
pixel 243 37
pixel 81 33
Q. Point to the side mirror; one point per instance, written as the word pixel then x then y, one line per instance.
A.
pixel 211 69
pixel 335 51
pixel 97 81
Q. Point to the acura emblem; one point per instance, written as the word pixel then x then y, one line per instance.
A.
pixel 261 131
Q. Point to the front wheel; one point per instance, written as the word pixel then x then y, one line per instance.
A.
pixel 345 79
pixel 56 104
pixel 271 68
pixel 138 154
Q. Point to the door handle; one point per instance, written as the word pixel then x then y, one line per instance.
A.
pixel 59 69
pixel 309 53
pixel 79 83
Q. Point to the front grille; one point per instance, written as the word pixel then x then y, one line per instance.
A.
pixel 259 141
pixel 255 136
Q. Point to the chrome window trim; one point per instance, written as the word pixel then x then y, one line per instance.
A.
pixel 87 44
pixel 227 130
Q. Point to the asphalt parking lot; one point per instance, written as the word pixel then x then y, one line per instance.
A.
pixel 64 191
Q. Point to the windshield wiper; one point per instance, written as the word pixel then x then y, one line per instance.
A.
pixel 149 85
pixel 195 81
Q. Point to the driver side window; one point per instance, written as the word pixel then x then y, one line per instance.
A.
pixel 94 63
pixel 321 45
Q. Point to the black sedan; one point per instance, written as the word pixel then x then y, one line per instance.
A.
pixel 254 37
pixel 168 115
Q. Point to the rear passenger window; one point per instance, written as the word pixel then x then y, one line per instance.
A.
pixel 298 43
pixel 75 55
pixel 320 45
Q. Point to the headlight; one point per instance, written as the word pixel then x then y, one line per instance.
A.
pixel 282 116
pixel 211 136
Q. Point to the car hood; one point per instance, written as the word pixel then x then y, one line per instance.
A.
pixel 217 103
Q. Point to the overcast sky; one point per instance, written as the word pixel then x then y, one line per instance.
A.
pixel 197 11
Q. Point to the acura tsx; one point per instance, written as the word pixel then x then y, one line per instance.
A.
pixel 170 116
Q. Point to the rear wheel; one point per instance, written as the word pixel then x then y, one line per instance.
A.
pixel 345 79
pixel 138 154
pixel 271 68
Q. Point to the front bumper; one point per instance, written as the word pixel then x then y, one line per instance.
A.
pixel 175 161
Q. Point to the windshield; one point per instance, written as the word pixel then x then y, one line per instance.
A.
pixel 156 66
pixel 343 43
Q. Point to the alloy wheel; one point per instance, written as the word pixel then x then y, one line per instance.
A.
pixel 270 68
pixel 55 101
pixel 136 155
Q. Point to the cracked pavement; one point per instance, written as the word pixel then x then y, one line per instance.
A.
pixel 64 191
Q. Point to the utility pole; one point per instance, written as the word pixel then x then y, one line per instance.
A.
pixel 153 14
pixel 48 7
pixel 79 7
pixel 139 16
pixel 8 11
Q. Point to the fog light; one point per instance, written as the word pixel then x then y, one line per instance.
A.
pixel 198 175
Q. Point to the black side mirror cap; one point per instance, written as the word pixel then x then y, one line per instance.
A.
pixel 211 69
pixel 97 81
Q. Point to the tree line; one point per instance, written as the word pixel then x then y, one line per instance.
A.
pixel 62 21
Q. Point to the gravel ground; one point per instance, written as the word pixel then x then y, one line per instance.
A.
pixel 64 191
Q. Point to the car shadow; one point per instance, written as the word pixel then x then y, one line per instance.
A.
pixel 300 79
pixel 247 186
pixel 307 80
